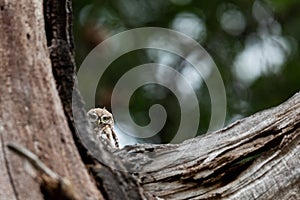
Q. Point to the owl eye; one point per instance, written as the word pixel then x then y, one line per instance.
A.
pixel 92 116
pixel 106 118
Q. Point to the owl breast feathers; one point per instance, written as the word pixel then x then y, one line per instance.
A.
pixel 103 125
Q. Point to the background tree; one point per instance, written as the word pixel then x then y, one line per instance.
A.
pixel 253 43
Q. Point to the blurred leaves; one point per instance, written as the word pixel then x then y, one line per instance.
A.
pixel 254 44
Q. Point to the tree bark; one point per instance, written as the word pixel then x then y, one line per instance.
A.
pixel 254 158
pixel 36 110
pixel 31 111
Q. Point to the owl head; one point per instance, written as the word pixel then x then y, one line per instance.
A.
pixel 100 117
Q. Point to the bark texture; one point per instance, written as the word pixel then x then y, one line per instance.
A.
pixel 37 79
pixel 31 111
pixel 254 158
pixel 112 178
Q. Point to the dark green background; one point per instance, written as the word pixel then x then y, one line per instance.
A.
pixel 252 30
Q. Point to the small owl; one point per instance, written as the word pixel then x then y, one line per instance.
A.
pixel 103 125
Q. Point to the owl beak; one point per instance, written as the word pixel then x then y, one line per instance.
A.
pixel 99 121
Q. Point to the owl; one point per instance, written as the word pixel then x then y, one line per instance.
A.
pixel 103 125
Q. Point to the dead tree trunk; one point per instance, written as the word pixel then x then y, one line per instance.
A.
pixel 31 111
pixel 254 158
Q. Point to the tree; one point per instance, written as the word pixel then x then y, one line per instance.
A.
pixel 257 157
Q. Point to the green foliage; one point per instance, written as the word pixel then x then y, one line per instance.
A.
pixel 253 43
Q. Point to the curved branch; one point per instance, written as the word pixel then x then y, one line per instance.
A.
pixel 254 158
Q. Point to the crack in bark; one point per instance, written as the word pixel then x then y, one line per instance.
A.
pixel 248 151
pixel 8 168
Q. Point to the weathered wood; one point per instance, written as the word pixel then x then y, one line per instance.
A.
pixel 53 186
pixel 31 113
pixel 254 158
pixel 108 172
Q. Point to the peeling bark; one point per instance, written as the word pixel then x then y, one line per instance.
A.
pixel 254 158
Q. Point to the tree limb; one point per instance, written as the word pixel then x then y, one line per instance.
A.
pixel 257 157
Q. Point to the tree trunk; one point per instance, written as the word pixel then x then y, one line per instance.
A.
pixel 31 111
pixel 254 158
